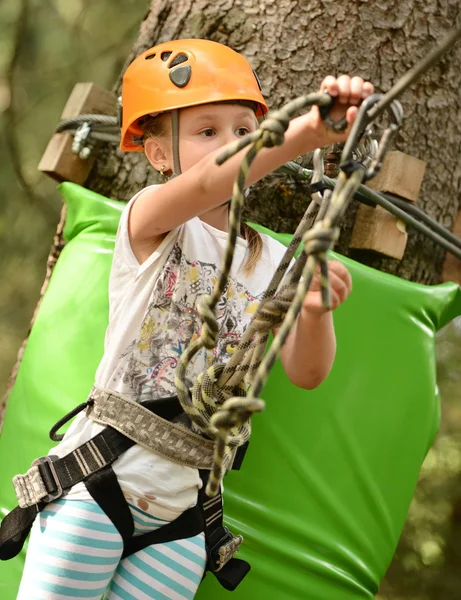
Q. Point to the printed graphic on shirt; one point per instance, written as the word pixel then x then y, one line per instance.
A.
pixel 172 322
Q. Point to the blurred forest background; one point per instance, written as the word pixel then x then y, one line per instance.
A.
pixel 46 46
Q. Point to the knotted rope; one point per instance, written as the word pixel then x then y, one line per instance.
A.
pixel 217 404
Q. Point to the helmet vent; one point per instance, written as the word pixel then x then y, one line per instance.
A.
pixel 149 56
pixel 177 60
pixel 165 55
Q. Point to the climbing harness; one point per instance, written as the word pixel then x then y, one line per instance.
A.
pixel 50 477
pixel 219 404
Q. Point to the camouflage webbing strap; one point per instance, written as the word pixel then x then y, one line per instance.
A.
pixel 135 421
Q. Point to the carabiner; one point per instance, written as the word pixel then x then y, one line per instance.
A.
pixel 318 173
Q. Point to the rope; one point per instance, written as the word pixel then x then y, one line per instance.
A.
pixel 88 129
pixel 411 215
pixel 218 411
pixel 95 120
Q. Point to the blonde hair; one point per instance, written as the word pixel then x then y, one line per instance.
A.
pixel 154 127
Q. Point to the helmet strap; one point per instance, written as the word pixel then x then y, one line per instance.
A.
pixel 175 140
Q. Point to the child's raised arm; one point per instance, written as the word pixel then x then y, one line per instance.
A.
pixel 205 185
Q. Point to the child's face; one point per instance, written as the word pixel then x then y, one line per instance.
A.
pixel 203 129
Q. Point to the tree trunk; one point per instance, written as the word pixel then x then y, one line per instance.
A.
pixel 293 44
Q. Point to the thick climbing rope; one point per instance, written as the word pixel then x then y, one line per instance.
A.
pixel 228 422
pixel 97 121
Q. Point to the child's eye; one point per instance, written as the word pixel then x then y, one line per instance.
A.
pixel 209 132
pixel 242 131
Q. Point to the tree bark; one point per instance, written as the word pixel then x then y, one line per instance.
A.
pixel 293 44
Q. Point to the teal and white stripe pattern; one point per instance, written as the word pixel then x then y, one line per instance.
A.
pixel 75 553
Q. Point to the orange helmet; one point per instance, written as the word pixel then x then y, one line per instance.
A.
pixel 184 73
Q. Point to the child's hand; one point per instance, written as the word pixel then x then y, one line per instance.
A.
pixel 349 93
pixel 340 285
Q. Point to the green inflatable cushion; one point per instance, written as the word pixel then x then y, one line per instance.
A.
pixel 326 485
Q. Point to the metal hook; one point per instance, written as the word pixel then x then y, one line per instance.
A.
pixel 395 114
pixel 81 143
pixel 318 174
pixel 368 146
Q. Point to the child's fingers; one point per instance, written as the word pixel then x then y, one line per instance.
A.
pixel 357 85
pixel 368 89
pixel 351 115
pixel 337 267
pixel 339 291
pixel 344 85
pixel 349 91
pixel 340 279
pixel 335 299
pixel 339 288
pixel 334 268
pixel 330 85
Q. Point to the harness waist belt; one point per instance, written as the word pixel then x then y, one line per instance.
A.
pixel 171 440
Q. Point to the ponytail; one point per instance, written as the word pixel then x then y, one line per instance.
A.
pixel 255 248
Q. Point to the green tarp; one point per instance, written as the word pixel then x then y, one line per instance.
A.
pixel 329 476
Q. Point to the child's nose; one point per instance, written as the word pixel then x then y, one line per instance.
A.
pixel 230 137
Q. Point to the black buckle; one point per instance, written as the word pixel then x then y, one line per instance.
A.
pixel 48 473
pixel 222 552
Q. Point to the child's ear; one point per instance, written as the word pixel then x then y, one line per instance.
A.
pixel 156 154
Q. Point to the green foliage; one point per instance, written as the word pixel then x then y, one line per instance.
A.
pixel 426 565
pixel 45 48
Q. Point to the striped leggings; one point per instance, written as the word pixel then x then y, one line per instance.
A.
pixel 75 553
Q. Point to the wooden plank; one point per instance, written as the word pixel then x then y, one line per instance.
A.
pixel 376 229
pixel 58 160
pixel 401 174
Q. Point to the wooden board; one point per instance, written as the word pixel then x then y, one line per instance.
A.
pixel 376 229
pixel 58 160
pixel 401 174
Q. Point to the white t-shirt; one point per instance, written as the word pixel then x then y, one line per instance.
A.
pixel 152 318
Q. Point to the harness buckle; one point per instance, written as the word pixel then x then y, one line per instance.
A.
pixel 48 461
pixel 34 486
pixel 224 550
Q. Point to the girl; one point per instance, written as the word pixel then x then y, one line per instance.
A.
pixel 183 102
